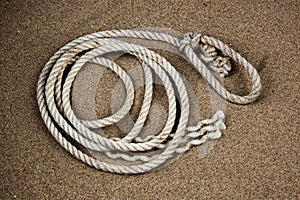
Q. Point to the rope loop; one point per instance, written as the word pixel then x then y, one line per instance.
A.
pixel 133 153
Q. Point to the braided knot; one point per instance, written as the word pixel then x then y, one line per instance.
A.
pixel 190 38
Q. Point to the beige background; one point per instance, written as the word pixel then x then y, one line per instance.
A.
pixel 258 156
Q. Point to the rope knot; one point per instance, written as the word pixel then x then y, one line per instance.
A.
pixel 191 38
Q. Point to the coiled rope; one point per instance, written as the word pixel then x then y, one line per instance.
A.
pixel 55 83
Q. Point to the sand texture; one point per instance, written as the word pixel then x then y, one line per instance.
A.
pixel 256 158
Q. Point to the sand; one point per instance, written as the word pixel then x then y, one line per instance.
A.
pixel 258 155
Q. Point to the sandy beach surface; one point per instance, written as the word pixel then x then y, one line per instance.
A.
pixel 257 156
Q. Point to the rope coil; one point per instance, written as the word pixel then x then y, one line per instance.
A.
pixel 53 95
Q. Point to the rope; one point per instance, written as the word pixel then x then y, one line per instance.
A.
pixel 132 151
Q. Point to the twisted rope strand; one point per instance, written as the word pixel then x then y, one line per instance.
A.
pixel 53 96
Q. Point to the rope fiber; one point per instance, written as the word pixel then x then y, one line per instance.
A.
pixel 133 154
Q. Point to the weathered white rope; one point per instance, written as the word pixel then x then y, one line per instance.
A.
pixel 53 95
